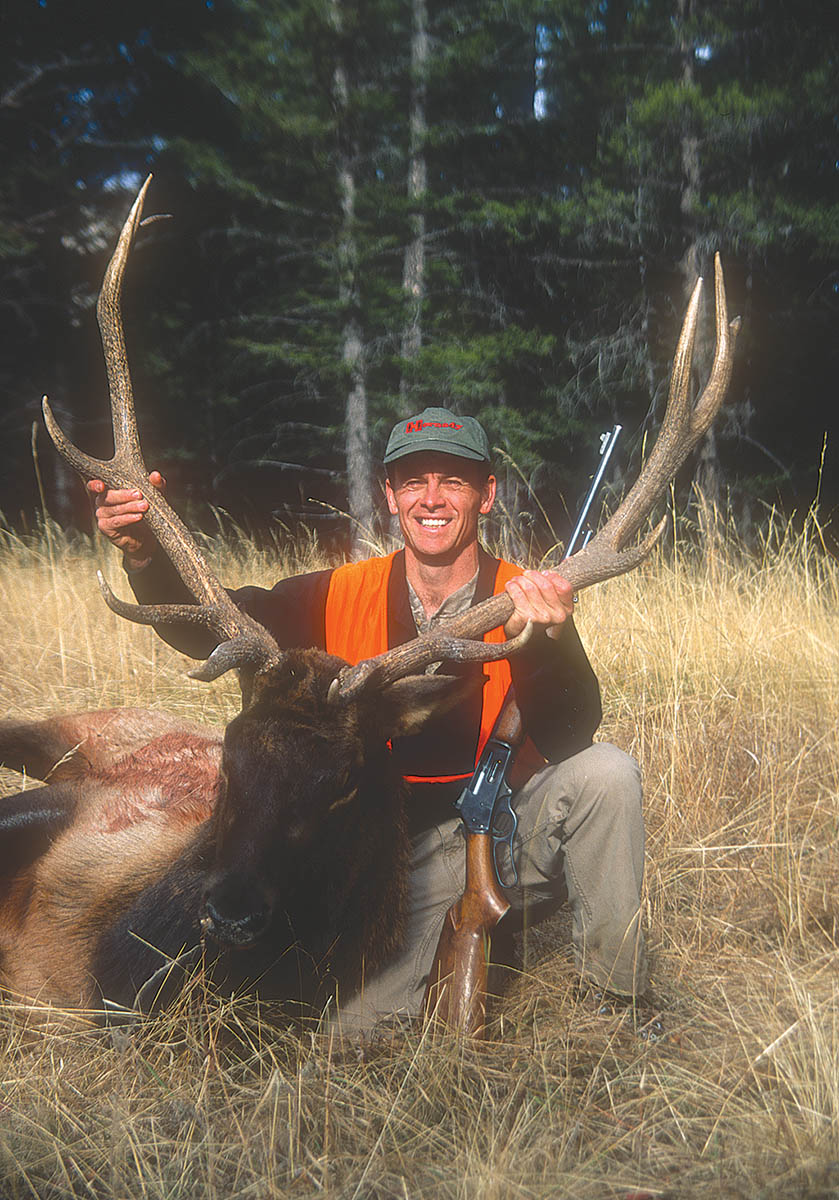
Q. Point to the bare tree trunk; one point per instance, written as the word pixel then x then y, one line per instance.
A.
pixel 62 482
pixel 708 474
pixel 356 431
pixel 646 300
pixel 413 271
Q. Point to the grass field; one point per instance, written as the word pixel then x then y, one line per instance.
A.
pixel 722 678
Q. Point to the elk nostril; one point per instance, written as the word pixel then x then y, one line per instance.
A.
pixel 234 929
pixel 212 918
pixel 255 923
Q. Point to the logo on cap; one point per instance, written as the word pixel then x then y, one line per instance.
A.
pixel 418 426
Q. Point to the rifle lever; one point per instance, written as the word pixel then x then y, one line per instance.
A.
pixel 504 826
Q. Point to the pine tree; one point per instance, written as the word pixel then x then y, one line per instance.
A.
pixel 697 149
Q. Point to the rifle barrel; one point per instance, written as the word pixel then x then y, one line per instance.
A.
pixel 608 441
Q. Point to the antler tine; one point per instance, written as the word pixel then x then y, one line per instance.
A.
pixel 109 315
pixel 607 554
pixel 683 426
pixel 657 472
pixel 127 452
pixel 252 648
pixel 413 657
pixel 126 469
pixel 162 614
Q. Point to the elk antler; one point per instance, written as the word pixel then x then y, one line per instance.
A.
pixel 245 643
pixel 607 554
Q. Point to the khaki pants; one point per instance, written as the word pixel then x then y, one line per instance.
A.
pixel 580 840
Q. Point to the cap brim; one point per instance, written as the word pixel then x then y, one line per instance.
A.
pixel 439 446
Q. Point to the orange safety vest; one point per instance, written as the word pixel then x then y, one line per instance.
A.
pixel 356 628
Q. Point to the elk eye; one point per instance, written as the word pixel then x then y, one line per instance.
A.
pixel 342 800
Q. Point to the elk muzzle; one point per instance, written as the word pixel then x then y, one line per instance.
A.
pixel 235 914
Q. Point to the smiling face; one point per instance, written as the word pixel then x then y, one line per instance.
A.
pixel 438 499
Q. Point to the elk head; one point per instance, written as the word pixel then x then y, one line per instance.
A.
pixel 303 780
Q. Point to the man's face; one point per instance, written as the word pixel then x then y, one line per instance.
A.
pixel 438 499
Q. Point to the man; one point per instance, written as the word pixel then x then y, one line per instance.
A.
pixel 580 832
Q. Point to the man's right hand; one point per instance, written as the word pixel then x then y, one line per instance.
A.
pixel 119 515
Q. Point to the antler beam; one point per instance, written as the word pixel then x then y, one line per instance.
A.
pixel 245 643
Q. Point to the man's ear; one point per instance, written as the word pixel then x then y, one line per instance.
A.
pixel 390 495
pixel 488 491
pixel 406 705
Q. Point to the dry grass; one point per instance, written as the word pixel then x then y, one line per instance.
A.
pixel 722 678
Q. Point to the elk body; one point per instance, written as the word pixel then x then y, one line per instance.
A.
pixel 282 838
pixel 279 844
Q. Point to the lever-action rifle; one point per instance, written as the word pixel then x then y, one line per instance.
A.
pixel 457 982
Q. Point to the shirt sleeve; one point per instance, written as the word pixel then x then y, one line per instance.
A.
pixel 293 611
pixel 557 693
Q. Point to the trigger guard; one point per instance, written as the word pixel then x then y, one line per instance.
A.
pixel 506 840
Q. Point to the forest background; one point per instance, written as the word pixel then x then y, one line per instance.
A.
pixel 500 207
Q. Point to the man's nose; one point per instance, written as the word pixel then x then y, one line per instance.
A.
pixel 432 496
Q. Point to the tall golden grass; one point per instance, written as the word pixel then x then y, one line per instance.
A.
pixel 721 676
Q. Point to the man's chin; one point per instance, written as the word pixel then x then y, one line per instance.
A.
pixel 435 556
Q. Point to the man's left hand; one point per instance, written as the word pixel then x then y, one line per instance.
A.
pixel 542 597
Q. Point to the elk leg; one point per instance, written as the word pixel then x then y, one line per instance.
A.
pixel 70 746
pixel 29 823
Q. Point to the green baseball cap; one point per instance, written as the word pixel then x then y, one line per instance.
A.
pixel 441 430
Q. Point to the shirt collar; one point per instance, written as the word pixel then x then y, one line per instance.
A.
pixel 452 606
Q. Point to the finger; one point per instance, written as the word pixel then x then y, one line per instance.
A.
pixel 564 591
pixel 536 599
pixel 157 481
pixel 119 496
pixel 561 584
pixel 110 524
pixel 538 584
pixel 96 486
pixel 529 601
pixel 117 510
pixel 557 593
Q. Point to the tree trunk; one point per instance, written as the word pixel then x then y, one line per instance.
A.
pixel 62 482
pixel 356 431
pixel 413 272
pixel 708 475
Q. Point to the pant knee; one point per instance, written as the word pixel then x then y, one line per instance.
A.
pixel 617 777
pixel 605 776
pixel 613 765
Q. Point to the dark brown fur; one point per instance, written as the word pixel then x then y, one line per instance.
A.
pixel 284 836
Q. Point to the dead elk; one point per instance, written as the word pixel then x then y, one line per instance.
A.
pixel 280 842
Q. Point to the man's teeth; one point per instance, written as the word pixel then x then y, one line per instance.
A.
pixel 433 522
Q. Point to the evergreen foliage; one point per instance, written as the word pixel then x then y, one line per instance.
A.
pixel 580 159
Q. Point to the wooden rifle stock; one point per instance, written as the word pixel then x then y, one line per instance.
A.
pixel 456 994
pixel 457 982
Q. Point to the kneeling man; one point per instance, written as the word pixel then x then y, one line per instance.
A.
pixel 580 830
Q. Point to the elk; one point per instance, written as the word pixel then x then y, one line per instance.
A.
pixel 281 844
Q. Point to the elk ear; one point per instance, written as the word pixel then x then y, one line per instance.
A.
pixel 407 704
